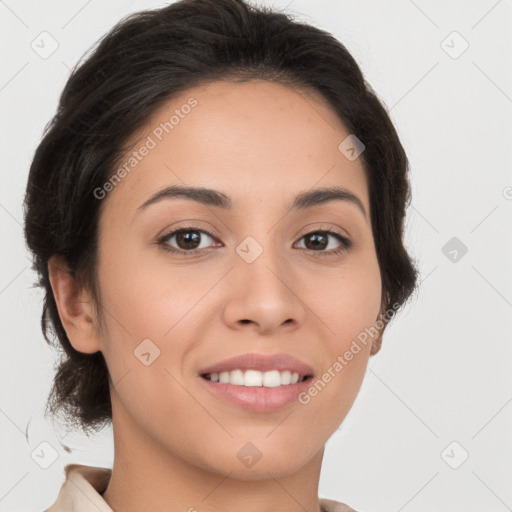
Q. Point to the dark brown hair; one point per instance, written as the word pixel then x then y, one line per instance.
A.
pixel 145 60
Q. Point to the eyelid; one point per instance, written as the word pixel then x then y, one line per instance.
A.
pixel 192 224
pixel 323 226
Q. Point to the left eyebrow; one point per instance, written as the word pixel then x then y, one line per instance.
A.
pixel 210 197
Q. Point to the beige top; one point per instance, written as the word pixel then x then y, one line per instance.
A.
pixel 81 490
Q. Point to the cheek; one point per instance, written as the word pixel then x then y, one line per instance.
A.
pixel 349 299
pixel 147 300
pixel 150 302
pixel 348 305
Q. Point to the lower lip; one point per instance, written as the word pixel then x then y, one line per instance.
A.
pixel 258 398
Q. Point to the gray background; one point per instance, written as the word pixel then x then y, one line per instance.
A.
pixel 443 374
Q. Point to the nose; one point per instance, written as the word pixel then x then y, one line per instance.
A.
pixel 263 295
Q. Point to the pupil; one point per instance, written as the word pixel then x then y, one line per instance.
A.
pixel 315 237
pixel 187 237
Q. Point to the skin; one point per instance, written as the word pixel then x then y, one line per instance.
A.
pixel 175 443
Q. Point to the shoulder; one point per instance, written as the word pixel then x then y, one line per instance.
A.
pixel 328 505
pixel 81 490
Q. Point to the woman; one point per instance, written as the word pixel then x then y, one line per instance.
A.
pixel 216 216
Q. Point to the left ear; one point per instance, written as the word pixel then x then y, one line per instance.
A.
pixel 377 341
pixel 376 344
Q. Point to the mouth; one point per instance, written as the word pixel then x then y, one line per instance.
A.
pixel 256 391
pixel 257 382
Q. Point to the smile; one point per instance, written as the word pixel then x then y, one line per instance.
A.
pixel 250 378
pixel 258 392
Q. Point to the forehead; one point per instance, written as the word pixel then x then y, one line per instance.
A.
pixel 251 140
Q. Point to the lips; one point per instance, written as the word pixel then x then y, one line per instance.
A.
pixel 260 362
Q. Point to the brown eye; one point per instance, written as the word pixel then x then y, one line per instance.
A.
pixel 318 241
pixel 188 240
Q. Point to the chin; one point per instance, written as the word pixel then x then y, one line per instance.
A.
pixel 247 464
pixel 260 471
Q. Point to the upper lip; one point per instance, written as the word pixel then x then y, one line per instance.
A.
pixel 261 362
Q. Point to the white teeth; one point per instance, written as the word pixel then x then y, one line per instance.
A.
pixel 253 378
pixel 286 377
pixel 270 379
pixel 236 377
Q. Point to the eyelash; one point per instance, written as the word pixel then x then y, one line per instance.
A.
pixel 346 244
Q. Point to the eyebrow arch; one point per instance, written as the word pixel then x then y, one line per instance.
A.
pixel 210 197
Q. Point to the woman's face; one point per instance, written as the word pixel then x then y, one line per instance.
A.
pixel 266 280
